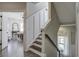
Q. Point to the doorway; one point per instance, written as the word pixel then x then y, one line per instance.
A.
pixel 66 40
pixel 13 30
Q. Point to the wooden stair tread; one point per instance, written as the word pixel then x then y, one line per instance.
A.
pixel 40 34
pixel 31 54
pixel 37 45
pixel 39 38
pixel 36 48
pixel 37 42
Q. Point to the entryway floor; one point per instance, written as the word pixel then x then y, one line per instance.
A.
pixel 15 49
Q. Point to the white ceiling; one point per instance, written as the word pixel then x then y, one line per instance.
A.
pixel 66 12
pixel 35 2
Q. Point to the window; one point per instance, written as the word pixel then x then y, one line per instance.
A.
pixel 15 27
pixel 61 43
pixel 21 29
pixel 21 25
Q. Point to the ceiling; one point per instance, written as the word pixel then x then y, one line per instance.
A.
pixel 65 12
pixel 35 2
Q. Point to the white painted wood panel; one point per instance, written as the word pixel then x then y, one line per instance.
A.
pixel 30 29
pixel 36 24
pixel 0 31
pixel 45 16
pixel 41 18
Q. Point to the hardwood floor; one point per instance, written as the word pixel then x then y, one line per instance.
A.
pixel 15 49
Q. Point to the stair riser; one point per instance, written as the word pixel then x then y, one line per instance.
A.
pixel 38 42
pixel 36 48
pixel 37 52
pixel 37 45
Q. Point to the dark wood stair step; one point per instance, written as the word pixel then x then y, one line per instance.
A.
pixel 40 34
pixel 37 42
pixel 30 54
pixel 39 38
pixel 36 48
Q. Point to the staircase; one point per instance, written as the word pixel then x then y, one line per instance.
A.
pixel 35 49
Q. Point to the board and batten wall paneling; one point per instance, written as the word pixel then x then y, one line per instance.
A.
pixel 34 25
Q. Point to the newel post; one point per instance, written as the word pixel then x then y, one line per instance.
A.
pixel 43 43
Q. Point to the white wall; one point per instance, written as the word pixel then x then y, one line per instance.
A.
pixel 51 30
pixel 32 8
pixel 77 30
pixel 0 28
pixel 73 40
pixel 33 22
pixel 34 25
pixel 8 19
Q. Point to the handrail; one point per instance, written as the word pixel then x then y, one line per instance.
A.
pixel 53 43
